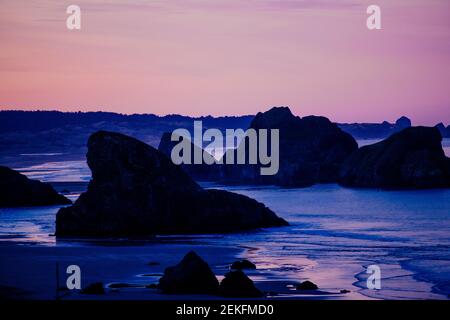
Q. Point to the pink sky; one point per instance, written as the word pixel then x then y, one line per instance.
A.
pixel 225 57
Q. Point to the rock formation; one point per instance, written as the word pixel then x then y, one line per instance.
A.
pixel 242 264
pixel 237 284
pixel 191 276
pixel 16 190
pixel 411 158
pixel 445 131
pixel 311 150
pixel 403 122
pixel 307 285
pixel 136 191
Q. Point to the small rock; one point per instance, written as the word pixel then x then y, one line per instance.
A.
pixel 345 291
pixel 94 288
pixel 237 284
pixel 307 285
pixel 243 264
pixel 16 190
pixel 192 275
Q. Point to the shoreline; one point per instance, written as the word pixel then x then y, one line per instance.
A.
pixel 29 270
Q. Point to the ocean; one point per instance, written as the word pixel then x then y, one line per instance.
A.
pixel 335 233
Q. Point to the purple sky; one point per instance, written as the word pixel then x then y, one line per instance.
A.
pixel 220 57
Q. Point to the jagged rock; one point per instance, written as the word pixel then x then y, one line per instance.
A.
pixel 243 264
pixel 191 276
pixel 136 191
pixel 16 190
pixel 311 150
pixel 411 158
pixel 237 284
pixel 307 285
pixel 94 288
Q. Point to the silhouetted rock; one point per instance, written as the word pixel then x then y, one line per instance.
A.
pixel 200 171
pixel 136 191
pixel 411 158
pixel 403 122
pixel 16 190
pixel 243 264
pixel 311 150
pixel 191 276
pixel 94 288
pixel 307 285
pixel 445 131
pixel 237 284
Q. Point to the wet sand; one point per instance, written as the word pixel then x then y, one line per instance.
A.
pixel 127 267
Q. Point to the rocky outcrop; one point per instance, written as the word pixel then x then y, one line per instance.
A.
pixel 242 264
pixel 403 122
pixel 307 285
pixel 191 276
pixel 311 150
pixel 16 190
pixel 237 284
pixel 411 158
pixel 136 191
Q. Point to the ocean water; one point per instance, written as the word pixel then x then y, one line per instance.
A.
pixel 335 233
pixel 405 233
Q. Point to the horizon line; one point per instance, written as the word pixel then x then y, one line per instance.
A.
pixel 200 116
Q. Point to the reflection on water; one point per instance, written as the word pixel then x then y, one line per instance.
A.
pixel 405 232
pixel 67 171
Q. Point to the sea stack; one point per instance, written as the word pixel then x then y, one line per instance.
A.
pixel 311 150
pixel 16 190
pixel 411 158
pixel 136 191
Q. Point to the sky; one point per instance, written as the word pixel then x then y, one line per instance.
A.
pixel 229 57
